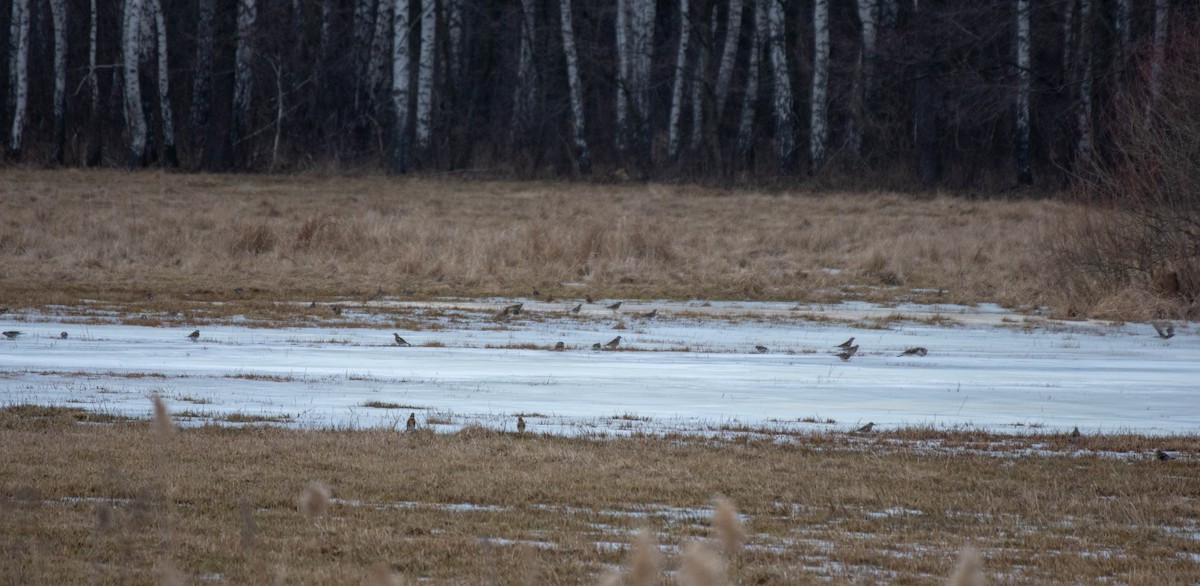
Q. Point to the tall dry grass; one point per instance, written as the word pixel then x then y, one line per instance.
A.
pixel 70 234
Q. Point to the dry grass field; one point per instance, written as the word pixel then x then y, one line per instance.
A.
pixel 84 499
pixel 68 235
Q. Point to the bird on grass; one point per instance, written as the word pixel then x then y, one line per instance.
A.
pixel 400 341
pixel 653 313
pixel 520 424
pixel 917 351
pixel 588 298
pixel 412 422
pixel 612 344
pixel 337 309
pixel 596 346
pixel 536 293
pixel 1075 433
pixel 560 346
pixel 615 306
pixel 195 335
pixel 575 310
pixel 238 291
pixel 1165 333
pixel 845 345
pixel 760 349
pixel 514 309
pixel 62 336
pixel 867 428
pixel 1163 456
pixel 847 353
pixel 12 335
pixel 149 295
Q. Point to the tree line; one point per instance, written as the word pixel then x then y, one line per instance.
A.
pixel 931 92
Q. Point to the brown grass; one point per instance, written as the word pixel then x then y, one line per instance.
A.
pixel 67 235
pixel 81 502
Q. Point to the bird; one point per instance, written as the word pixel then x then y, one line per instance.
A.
pixel 917 351
pixel 1165 333
pixel 520 424
pixel 312 305
pixel 612 344
pixel 848 352
pixel 615 306
pixel 1075 433
pixel 62 336
pixel 3 310
pixel 536 293
pixel 560 346
pixel 149 295
pixel 596 346
pixel 238 291
pixel 588 298
pixel 1163 456
pixel 760 349
pixel 195 335
pixel 400 341
pixel 867 428
pixel 515 308
pixel 845 345
pixel 650 315
pixel 412 422
pixel 12 335
pixel 575 310
pixel 337 309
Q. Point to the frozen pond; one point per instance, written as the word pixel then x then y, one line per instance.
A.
pixel 694 367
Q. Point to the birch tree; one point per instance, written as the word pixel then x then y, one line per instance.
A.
pixel 1083 111
pixel 202 82
pixel 94 139
pixel 785 130
pixel 135 116
pixel 745 139
pixel 733 32
pixel 685 31
pixel 583 158
pixel 164 94
pixel 643 55
pixel 18 68
pixel 381 45
pixel 1024 75
pixel 1162 9
pixel 525 92
pixel 425 74
pixel 58 12
pixel 864 73
pixel 401 96
pixel 818 122
pixel 623 60
pixel 243 76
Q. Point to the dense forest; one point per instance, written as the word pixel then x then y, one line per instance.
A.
pixel 964 93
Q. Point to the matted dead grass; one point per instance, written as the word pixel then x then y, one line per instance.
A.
pixel 120 502
pixel 68 235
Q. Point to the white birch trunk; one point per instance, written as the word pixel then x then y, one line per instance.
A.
pixel 785 131
pixel 58 13
pixel 623 59
pixel 381 45
pixel 1162 9
pixel 1083 114
pixel 202 83
pixel 643 39
pixel 818 121
pixel 401 96
pixel 164 89
pixel 18 72
pixel 733 32
pixel 685 31
pixel 1024 81
pixel 243 80
pixel 525 92
pixel 455 34
pixel 135 117
pixel 425 74
pixel 745 140
pixel 583 161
